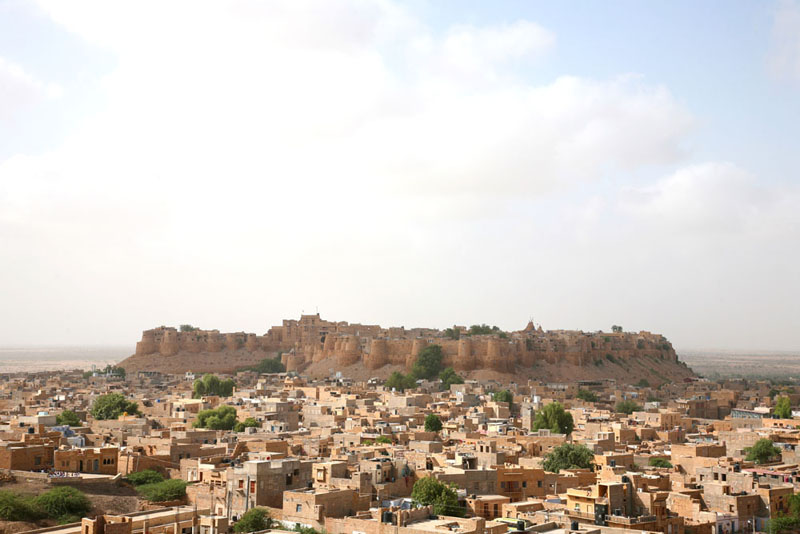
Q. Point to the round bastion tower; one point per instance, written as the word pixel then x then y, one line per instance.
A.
pixel 350 352
pixel 466 358
pixel 494 357
pixel 378 355
pixel 148 343
pixel 169 343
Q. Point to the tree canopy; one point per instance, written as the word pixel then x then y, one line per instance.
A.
pixel 503 396
pixel 68 417
pixel 568 456
pixel 254 520
pixel 400 382
pixel 433 423
pixel 627 407
pixel 429 491
pixel 429 363
pixel 222 418
pixel 212 385
pixel 112 405
pixel 448 376
pixel 247 423
pixel 586 395
pixel 269 365
pixel 188 328
pixel 762 451
pixel 783 408
pixel 554 418
pixel 659 462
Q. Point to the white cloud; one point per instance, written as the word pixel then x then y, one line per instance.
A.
pixel 19 90
pixel 784 57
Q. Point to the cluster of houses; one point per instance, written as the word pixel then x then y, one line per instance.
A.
pixel 343 457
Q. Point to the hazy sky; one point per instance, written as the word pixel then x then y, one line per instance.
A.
pixel 230 164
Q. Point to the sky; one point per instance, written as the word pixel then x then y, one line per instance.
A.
pixel 232 164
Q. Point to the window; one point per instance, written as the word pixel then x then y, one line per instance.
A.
pixel 538 483
pixel 37 460
pixel 241 484
pixel 524 483
pixel 252 486
pixel 298 508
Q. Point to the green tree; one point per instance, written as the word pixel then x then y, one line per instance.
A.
pixel 554 418
pixel 222 418
pixel 429 363
pixel 63 501
pixel 659 462
pixel 433 423
pixel 14 507
pixel 783 408
pixel 762 451
pixel 168 490
pixel 429 491
pixel 627 407
pixel 568 456
pixel 503 396
pixel 254 520
pixel 643 383
pixel 586 395
pixel 247 423
pixel 452 333
pixel 269 366
pixel 148 476
pixel 68 417
pixel 400 382
pixel 188 328
pixel 448 376
pixel 616 328
pixel 112 405
pixel 212 385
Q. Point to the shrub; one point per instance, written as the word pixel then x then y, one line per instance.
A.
pixel 112 405
pixel 148 476
pixel 13 507
pixel 168 490
pixel 586 395
pixel 63 501
pixel 659 462
pixel 384 439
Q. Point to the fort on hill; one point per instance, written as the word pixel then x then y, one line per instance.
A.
pixel 314 346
